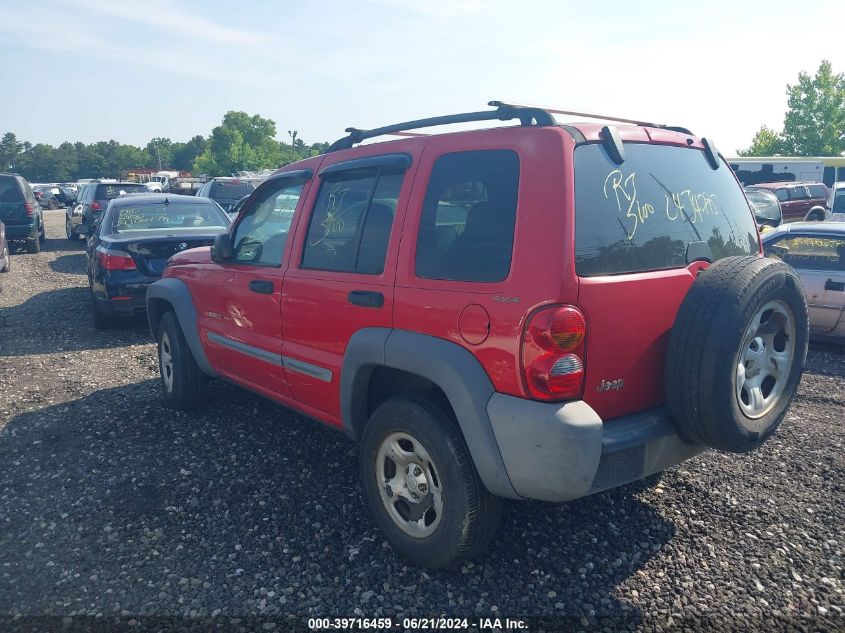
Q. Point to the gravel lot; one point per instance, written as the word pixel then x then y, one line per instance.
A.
pixel 112 505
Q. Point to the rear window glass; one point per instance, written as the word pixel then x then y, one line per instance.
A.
pixel 645 213
pixel 810 252
pixel 227 190
pixel 9 190
pixel 108 192
pixel 166 216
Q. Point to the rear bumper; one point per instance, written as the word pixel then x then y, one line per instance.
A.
pixel 122 299
pixel 559 452
pixel 21 231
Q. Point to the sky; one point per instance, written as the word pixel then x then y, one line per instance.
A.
pixel 91 70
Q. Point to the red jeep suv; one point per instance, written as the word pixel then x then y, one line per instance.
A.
pixel 538 311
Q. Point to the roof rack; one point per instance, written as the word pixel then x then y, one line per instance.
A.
pixel 527 115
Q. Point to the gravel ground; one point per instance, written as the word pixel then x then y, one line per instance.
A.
pixel 113 506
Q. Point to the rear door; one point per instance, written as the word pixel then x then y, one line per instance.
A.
pixel 819 259
pixel 343 266
pixel 640 226
pixel 239 302
pixel 13 210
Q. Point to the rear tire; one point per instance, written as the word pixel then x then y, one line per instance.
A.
pixel 182 381
pixel 736 353
pixel 451 519
pixel 815 215
pixel 52 205
pixel 33 244
pixel 7 267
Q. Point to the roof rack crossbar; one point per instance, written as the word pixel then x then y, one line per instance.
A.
pixel 526 115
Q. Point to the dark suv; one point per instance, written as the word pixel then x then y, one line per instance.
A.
pixel 226 191
pixel 539 311
pixel 91 201
pixel 21 213
pixel 799 200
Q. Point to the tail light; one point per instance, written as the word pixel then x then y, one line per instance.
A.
pixel 115 260
pixel 553 353
pixel 95 206
pixel 30 210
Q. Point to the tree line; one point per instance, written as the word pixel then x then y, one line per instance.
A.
pixel 814 124
pixel 240 142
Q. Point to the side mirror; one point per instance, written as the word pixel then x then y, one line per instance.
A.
pixel 221 250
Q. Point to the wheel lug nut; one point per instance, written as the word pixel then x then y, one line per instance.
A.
pixel 417 471
pixel 423 488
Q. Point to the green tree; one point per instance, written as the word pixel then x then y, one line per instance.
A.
pixel 815 121
pixel 242 142
pixel 766 142
pixel 814 124
pixel 185 154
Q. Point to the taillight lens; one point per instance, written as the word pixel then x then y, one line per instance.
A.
pixel 115 260
pixel 553 353
pixel 95 206
pixel 30 210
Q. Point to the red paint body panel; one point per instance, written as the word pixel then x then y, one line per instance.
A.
pixel 308 318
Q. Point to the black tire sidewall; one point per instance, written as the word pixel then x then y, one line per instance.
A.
pixel 425 426
pixel 745 433
pixel 189 382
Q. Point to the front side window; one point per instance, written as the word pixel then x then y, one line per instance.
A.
pixel 646 213
pixel 469 212
pixel 810 252
pixel 351 222
pixel 262 234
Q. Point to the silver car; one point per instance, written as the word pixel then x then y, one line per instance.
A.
pixel 816 250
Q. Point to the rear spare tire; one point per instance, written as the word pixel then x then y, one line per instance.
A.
pixel 736 353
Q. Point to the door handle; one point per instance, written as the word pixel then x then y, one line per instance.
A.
pixel 366 298
pixel 834 285
pixel 259 285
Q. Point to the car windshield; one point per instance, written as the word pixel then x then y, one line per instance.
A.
pixel 765 204
pixel 109 192
pixel 144 217
pixel 646 213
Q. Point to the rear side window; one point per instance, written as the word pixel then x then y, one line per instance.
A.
pixel 109 192
pixel 647 212
pixel 810 252
pixel 798 193
pixel 10 191
pixel 351 222
pixel 817 191
pixel 467 224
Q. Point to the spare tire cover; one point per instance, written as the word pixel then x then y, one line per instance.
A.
pixel 736 352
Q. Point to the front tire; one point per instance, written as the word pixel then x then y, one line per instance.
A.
pixel 421 485
pixel 182 381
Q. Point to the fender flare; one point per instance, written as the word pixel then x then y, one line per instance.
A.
pixel 176 293
pixel 449 366
pixel 816 209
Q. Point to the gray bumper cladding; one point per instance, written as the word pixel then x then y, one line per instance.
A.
pixel 559 452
